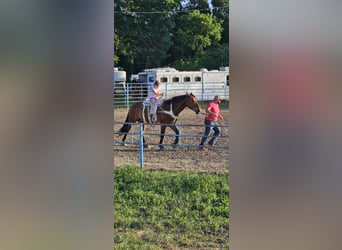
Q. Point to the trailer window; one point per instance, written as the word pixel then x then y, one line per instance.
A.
pixel 151 79
pixel 197 78
pixel 187 79
pixel 175 79
pixel 228 80
pixel 163 79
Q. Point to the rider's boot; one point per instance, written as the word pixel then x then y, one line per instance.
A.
pixel 154 118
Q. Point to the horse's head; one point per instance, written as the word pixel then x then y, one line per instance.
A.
pixel 192 103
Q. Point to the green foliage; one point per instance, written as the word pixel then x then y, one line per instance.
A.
pixel 196 32
pixel 221 11
pixel 201 5
pixel 144 30
pixel 158 209
pixel 157 33
pixel 212 58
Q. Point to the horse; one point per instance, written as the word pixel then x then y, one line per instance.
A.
pixel 167 112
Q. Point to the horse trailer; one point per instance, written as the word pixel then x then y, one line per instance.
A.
pixel 204 84
pixel 119 81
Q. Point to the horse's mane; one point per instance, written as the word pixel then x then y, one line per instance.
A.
pixel 174 99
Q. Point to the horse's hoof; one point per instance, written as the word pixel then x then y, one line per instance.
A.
pixel 146 146
pixel 123 144
pixel 161 148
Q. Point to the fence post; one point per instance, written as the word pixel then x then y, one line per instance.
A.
pixel 128 86
pixel 166 90
pixel 202 94
pixel 141 145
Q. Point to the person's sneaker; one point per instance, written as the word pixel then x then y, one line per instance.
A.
pixel 203 149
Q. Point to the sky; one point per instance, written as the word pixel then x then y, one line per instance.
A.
pixel 209 1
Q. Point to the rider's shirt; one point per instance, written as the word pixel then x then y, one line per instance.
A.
pixel 154 94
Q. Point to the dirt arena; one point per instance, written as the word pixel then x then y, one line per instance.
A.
pixel 185 158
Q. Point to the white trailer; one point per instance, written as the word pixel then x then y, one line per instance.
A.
pixel 203 84
pixel 119 81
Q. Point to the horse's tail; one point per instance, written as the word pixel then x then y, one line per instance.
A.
pixel 133 115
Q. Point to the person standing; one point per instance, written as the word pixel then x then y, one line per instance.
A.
pixel 154 97
pixel 210 121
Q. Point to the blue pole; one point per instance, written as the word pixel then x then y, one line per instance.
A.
pixel 141 144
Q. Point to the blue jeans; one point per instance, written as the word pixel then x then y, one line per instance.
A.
pixel 208 126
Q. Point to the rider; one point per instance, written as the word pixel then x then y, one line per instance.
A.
pixel 154 96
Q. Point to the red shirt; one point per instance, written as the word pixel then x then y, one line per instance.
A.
pixel 213 107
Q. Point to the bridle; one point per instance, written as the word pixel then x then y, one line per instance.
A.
pixel 193 106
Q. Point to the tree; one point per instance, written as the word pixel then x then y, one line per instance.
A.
pixel 144 29
pixel 196 31
pixel 212 58
pixel 116 45
pixel 175 33
pixel 201 5
pixel 221 11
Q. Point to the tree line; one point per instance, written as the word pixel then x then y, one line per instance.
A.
pixel 184 34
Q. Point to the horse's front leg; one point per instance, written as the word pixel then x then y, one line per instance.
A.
pixel 175 129
pixel 162 132
pixel 123 141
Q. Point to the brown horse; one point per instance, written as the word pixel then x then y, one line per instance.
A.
pixel 167 115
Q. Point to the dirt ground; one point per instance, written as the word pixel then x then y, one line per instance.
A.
pixel 186 157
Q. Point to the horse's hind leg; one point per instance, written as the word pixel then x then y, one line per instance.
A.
pixel 175 129
pixel 127 128
pixel 162 132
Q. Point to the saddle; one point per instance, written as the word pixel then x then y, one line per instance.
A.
pixel 146 102
pixel 147 105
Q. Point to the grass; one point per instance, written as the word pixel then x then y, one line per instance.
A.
pixel 170 210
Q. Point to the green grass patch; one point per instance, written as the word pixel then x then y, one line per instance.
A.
pixel 170 210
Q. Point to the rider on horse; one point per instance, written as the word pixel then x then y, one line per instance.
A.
pixel 154 97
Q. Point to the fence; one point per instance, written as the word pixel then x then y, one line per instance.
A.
pixel 189 137
pixel 139 91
